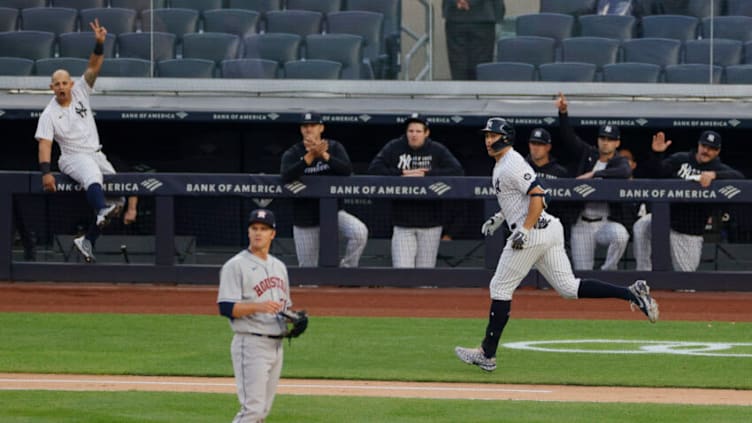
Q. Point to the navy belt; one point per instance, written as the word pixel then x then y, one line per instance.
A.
pixel 591 219
pixel 268 336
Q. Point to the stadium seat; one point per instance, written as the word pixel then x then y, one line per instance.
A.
pixel 260 6
pixel 199 5
pixel 323 6
pixel 249 68
pixel 730 27
pixel 569 7
pixel 392 29
pixel 367 25
pixel 607 26
pixel 81 44
pixel 692 73
pixel 74 65
pixel 505 71
pixel 346 49
pixel 567 72
pixel 138 5
pixel 27 44
pixel 8 19
pixel 16 66
pixel 79 4
pixel 216 46
pixel 313 69
pixel 117 20
pixel 186 68
pixel 139 45
pixel 748 52
pixel 676 27
pixel 526 49
pixel 631 72
pixel 739 74
pixel 240 22
pixel 301 22
pixel 126 67
pixel 596 50
pixel 725 52
pixel 280 48
pixel 658 51
pixel 49 19
pixel 22 4
pixel 697 8
pixel 552 25
pixel 738 8
pixel 176 21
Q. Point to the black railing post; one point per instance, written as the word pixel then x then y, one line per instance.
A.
pixel 165 230
pixel 328 233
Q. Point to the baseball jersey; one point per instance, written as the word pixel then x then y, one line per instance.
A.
pixel 72 127
pixel 246 278
pixel 512 180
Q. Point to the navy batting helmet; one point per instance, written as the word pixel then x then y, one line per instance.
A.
pixel 502 127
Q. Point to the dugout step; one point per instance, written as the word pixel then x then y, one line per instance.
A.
pixel 127 249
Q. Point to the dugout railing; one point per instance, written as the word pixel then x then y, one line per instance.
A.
pixel 166 268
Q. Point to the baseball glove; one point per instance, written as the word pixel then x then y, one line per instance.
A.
pixel 297 322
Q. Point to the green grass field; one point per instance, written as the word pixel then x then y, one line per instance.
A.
pixel 361 348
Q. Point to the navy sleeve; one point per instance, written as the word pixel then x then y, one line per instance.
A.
pixel 225 308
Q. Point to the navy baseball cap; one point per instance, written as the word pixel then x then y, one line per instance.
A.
pixel 711 139
pixel 263 216
pixel 311 117
pixel 609 131
pixel 416 117
pixel 540 136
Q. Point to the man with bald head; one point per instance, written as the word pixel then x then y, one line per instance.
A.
pixel 68 119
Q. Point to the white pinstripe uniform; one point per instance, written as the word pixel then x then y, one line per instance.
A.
pixel 351 230
pixel 256 358
pixel 544 249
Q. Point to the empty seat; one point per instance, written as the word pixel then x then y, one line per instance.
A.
pixel 620 27
pixel 677 27
pixel 690 73
pixel 567 72
pixel 240 22
pixel 392 29
pixel 730 27
pixel 16 66
pixel 260 6
pixel 505 71
pixel 126 67
pixel 176 21
pixel 569 7
pixel 738 7
pixel 8 19
pixel 79 4
pixel 81 44
pixel 301 22
pixel 215 46
pixel 280 48
pixel 739 74
pixel 249 68
pixel 200 5
pixel 138 5
pixel 658 51
pixel 74 65
pixel 27 44
pixel 748 52
pixel 368 25
pixel 22 4
pixel 725 52
pixel 186 68
pixel 526 49
pixel 323 6
pixel 139 45
pixel 117 20
pixel 596 50
pixel 346 49
pixel 552 25
pixel 631 72
pixel 313 69
pixel 49 19
pixel 697 8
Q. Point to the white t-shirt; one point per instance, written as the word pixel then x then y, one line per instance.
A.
pixel 72 127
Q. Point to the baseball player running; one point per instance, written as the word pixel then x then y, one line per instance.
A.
pixel 253 289
pixel 687 223
pixel 537 240
pixel 68 119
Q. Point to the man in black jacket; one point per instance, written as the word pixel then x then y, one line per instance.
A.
pixel 687 223
pixel 417 223
pixel 470 27
pixel 598 222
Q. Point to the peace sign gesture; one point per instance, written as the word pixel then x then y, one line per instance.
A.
pixel 100 32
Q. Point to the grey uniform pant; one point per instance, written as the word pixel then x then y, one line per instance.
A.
pixel 257 363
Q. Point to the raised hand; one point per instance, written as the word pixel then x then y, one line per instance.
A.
pixel 660 144
pixel 100 32
pixel 561 103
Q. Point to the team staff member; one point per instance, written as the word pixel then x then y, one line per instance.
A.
pixel 417 223
pixel 68 119
pixel 687 223
pixel 537 240
pixel 471 34
pixel 598 222
pixel 253 289
pixel 315 155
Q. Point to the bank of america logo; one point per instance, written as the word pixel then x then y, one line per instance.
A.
pixel 151 184
pixel 295 187
pixel 439 188
pixel 730 191
pixel 584 190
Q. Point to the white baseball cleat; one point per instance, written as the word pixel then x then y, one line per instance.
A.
pixel 645 302
pixel 83 246
pixel 104 215
pixel 476 357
